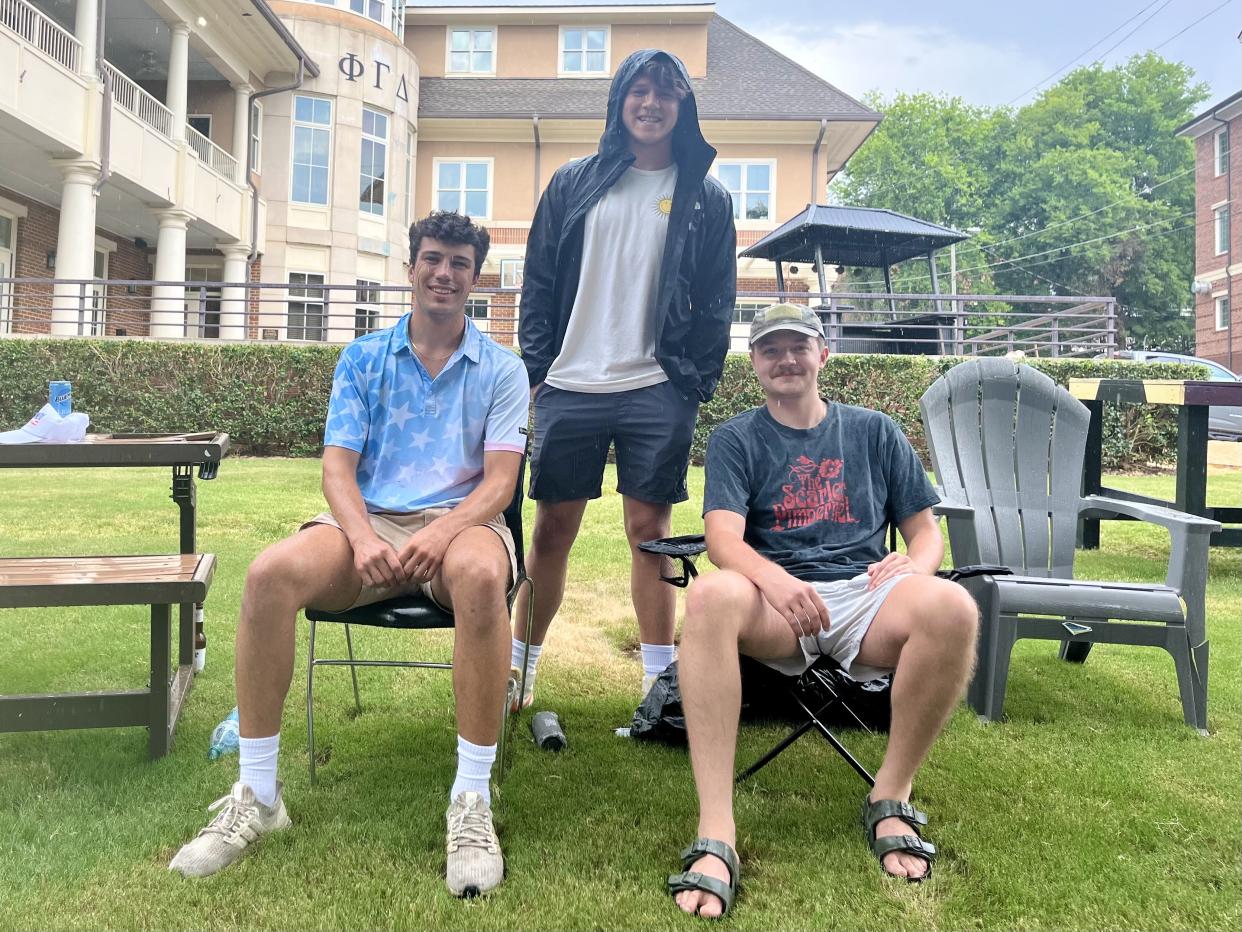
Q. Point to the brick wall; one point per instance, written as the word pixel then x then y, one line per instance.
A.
pixel 1212 189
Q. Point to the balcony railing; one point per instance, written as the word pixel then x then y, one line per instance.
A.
pixel 138 102
pixel 210 154
pixel 315 312
pixel 57 43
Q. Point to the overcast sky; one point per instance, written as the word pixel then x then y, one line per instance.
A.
pixel 991 51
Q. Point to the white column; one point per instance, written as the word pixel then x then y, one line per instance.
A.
pixel 233 297
pixel 75 245
pixel 168 315
pixel 86 29
pixel 178 77
pixel 241 127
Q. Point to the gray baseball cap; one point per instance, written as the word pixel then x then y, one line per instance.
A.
pixel 796 317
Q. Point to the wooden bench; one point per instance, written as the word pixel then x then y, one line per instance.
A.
pixel 159 581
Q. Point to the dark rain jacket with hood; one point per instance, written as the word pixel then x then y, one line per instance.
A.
pixel 698 274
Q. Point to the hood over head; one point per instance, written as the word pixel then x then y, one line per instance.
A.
pixel 689 146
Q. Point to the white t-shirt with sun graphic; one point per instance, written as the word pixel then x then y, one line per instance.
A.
pixel 610 340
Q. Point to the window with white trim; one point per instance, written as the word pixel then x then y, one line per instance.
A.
pixel 584 49
pixel 751 183
pixel 472 50
pixel 478 307
pixel 256 135
pixel 1222 312
pixel 373 162
pixel 371 9
pixel 464 186
pixel 511 271
pixel 1221 227
pixel 8 249
pixel 366 309
pixel 1222 151
pixel 312 149
pixel 744 311
pixel 306 307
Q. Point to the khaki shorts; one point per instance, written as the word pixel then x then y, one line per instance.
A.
pixel 851 609
pixel 395 529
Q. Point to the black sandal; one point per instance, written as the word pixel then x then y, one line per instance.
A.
pixel 875 812
pixel 694 880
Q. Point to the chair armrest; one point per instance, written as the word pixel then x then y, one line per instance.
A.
pixel 953 510
pixel 1098 506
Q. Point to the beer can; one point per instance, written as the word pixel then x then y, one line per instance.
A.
pixel 60 397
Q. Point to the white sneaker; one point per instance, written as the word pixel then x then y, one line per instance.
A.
pixel 475 864
pixel 528 694
pixel 225 839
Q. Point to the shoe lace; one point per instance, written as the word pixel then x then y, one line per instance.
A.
pixel 471 828
pixel 230 823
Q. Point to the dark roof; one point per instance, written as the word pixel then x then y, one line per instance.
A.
pixel 746 79
pixel 1209 112
pixel 863 236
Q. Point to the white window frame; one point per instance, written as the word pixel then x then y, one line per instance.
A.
pixel 1220 152
pixel 740 206
pixel 474 302
pixel 203 273
pixel 366 304
pixel 747 304
pixel 200 116
pixel 376 140
pixel 95 323
pixel 1221 220
pixel 488 160
pixel 306 285
pixel 294 124
pixel 256 135
pixel 448 50
pixel 1220 302
pixel 511 272
pixel 6 291
pixel 385 15
pixel 584 73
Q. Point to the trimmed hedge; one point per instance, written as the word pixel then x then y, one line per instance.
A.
pixel 271 398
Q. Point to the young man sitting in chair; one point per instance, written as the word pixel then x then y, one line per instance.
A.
pixel 799 493
pixel 424 439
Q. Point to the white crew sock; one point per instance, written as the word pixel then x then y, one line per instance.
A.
pixel 657 657
pixel 531 659
pixel 258 766
pixel 474 770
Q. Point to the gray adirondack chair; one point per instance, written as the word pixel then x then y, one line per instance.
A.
pixel 1007 446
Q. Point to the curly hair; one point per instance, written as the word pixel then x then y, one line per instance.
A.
pixel 665 76
pixel 452 229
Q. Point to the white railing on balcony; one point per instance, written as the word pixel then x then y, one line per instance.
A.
pixel 138 102
pixel 41 32
pixel 210 154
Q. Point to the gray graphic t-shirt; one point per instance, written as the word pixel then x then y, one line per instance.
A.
pixel 817 502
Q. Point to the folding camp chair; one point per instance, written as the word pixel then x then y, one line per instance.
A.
pixel 415 613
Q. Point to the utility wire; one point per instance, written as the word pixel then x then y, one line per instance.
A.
pixel 1192 25
pixel 1132 32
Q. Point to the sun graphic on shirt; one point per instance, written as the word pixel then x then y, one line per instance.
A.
pixel 664 205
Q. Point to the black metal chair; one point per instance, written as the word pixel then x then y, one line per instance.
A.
pixel 415 613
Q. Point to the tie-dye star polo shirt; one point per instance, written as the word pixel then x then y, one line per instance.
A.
pixel 422 440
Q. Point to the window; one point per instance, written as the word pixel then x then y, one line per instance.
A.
pixel 8 243
pixel 374 157
pixel 312 148
pixel 97 311
pixel 1221 226
pixel 305 306
pixel 398 17
pixel 366 313
pixel 1222 312
pixel 477 307
pixel 752 185
pixel 472 51
pixel 464 187
pixel 202 303
pixel 200 122
pixel 1222 151
pixel 511 272
pixel 371 9
pixel 256 130
pixel 744 311
pixel 409 177
pixel 584 50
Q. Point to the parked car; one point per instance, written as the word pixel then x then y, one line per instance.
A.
pixel 1224 422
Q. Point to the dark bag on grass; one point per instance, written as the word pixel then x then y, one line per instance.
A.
pixel 765 697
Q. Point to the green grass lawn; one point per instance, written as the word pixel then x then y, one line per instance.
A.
pixel 1092 807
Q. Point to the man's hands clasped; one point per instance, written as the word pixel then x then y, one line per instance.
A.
pixel 380 566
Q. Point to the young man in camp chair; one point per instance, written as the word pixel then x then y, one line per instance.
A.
pixel 424 439
pixel 799 493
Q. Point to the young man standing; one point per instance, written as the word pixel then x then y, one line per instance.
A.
pixel 423 443
pixel 628 292
pixel 798 497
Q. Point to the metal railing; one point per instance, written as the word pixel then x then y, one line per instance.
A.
pixel 44 34
pixel 210 154
pixel 138 102
pixel 311 311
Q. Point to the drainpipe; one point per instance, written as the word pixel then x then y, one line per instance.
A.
pixel 105 122
pixel 254 188
pixel 1228 239
pixel 534 123
pixel 823 128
